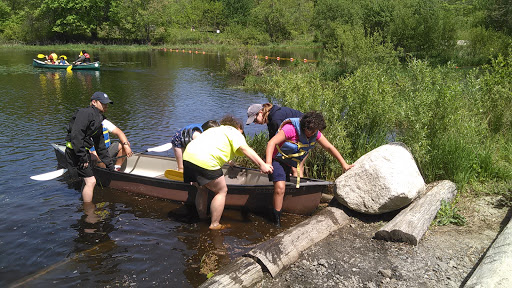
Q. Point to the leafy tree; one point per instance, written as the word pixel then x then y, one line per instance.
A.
pixel 270 15
pixel 138 20
pixel 497 15
pixel 73 19
pixel 236 12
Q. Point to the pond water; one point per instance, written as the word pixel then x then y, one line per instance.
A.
pixel 137 241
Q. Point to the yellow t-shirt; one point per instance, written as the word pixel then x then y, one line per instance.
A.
pixel 214 147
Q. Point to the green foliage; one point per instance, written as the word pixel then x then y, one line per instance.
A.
pixel 245 64
pixel 440 113
pixel 448 214
pixel 247 35
pixel 352 48
pixel 481 46
pixel 496 98
pixel 497 15
pixel 270 15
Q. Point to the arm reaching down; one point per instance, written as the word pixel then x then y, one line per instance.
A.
pixel 251 154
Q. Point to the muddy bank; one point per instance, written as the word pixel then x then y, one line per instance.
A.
pixel 349 257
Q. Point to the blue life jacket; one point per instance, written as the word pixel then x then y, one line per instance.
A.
pixel 106 136
pixel 292 153
pixel 187 132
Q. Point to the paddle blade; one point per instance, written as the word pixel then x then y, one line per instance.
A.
pixel 160 148
pixel 69 68
pixel 41 56
pixel 174 175
pixel 49 175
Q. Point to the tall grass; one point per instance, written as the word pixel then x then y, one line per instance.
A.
pixel 446 116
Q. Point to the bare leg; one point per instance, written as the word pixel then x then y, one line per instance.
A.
pixel 178 153
pixel 279 187
pixel 202 202
pixel 89 209
pixel 88 190
pixel 218 186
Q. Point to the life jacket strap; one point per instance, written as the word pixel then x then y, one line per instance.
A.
pixel 300 153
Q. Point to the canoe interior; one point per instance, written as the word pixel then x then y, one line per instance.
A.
pixel 144 174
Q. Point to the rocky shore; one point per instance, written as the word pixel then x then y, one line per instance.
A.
pixel 350 257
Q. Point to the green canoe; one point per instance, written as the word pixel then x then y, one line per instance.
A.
pixel 88 66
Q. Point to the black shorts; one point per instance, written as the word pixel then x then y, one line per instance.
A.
pixel 194 173
pixel 73 162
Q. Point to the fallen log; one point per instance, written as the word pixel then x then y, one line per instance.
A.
pixel 244 272
pixel 412 222
pixel 495 270
pixel 285 248
pixel 277 253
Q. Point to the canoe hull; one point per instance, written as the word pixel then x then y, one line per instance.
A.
pixel 247 188
pixel 91 66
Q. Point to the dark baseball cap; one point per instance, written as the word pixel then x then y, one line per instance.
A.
pixel 102 97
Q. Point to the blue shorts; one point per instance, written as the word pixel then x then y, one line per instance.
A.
pixel 281 172
pixel 176 139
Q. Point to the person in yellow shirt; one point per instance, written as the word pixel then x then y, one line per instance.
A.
pixel 202 164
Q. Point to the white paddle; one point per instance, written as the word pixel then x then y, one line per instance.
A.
pixel 160 148
pixel 49 175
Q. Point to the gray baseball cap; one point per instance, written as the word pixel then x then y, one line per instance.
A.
pixel 252 112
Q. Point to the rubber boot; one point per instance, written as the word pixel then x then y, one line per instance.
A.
pixel 277 218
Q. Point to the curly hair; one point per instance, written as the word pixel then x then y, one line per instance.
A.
pixel 312 121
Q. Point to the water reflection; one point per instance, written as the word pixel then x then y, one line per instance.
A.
pixel 94 226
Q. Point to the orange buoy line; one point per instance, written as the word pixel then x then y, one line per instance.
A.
pixel 189 51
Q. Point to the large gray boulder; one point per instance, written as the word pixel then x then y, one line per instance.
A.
pixel 385 179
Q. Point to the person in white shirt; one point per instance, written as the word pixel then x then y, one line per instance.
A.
pixel 116 149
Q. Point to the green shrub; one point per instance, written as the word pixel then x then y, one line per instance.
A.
pixel 448 214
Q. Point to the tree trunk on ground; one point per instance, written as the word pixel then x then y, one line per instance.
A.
pixel 412 222
pixel 285 248
pixel 244 272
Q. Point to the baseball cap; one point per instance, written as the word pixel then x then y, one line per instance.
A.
pixel 252 112
pixel 102 97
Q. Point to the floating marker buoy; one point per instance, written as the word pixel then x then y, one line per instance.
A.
pixel 291 59
pixel 266 57
pixel 305 60
pixel 278 58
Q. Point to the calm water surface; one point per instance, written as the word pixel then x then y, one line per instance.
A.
pixel 136 241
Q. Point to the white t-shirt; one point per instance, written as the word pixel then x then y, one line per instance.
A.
pixel 108 125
